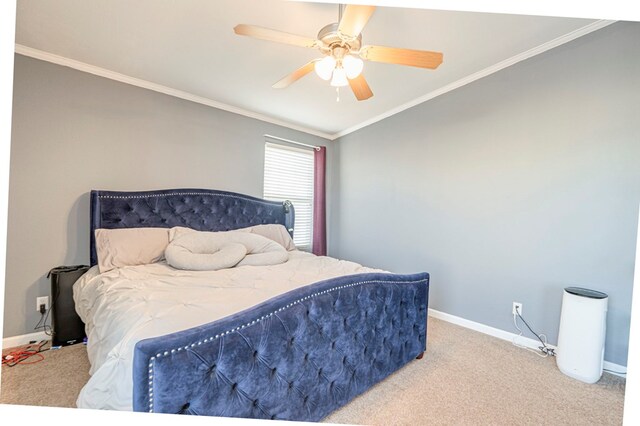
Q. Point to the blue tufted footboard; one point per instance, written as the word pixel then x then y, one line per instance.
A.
pixel 298 356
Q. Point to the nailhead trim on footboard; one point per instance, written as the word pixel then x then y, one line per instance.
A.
pixel 400 322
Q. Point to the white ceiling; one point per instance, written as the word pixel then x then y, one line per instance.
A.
pixel 189 45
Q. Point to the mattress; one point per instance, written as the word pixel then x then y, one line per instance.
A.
pixel 126 305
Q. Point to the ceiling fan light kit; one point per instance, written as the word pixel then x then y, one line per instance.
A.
pixel 352 66
pixel 341 43
pixel 339 78
pixel 324 67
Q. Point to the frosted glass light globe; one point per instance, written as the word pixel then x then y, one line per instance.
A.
pixel 339 78
pixel 325 67
pixel 352 66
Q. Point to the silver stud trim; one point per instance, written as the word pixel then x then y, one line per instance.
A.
pixel 255 321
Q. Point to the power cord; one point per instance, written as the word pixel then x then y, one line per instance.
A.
pixel 19 356
pixel 546 351
pixel 42 324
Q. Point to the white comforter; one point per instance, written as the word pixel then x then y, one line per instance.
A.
pixel 126 305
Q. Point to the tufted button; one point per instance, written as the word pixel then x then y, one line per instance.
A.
pixel 255 402
pixel 290 385
pixel 255 354
pixel 234 386
pixel 306 357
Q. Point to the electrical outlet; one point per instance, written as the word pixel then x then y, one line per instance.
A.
pixel 516 305
pixel 44 300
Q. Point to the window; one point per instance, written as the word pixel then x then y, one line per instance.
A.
pixel 288 175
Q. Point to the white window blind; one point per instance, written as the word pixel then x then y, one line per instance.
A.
pixel 288 175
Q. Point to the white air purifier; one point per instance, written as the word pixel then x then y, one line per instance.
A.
pixel 583 323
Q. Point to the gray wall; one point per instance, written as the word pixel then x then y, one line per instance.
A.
pixel 73 132
pixel 509 188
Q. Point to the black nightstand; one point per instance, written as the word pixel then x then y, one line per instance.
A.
pixel 67 327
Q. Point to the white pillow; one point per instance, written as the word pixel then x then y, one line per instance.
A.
pixel 274 232
pixel 130 246
pixel 178 231
pixel 211 251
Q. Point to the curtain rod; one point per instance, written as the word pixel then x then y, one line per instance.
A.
pixel 317 148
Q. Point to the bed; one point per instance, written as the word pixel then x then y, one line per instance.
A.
pixel 293 341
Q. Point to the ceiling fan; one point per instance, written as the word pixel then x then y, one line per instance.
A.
pixel 341 45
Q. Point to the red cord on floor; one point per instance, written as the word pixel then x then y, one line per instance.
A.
pixel 19 356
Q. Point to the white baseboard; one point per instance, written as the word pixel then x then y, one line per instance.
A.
pixel 615 369
pixel 24 339
pixel 506 335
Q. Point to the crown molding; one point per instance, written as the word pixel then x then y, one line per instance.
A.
pixel 102 72
pixel 122 78
pixel 594 26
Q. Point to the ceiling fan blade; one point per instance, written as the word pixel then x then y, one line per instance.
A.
pixel 393 55
pixel 354 19
pixel 296 75
pixel 274 35
pixel 360 88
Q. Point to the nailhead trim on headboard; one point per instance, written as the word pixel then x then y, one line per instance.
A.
pixel 186 193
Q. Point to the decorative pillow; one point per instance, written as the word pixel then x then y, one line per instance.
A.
pixel 178 231
pixel 210 251
pixel 274 232
pixel 191 252
pixel 130 246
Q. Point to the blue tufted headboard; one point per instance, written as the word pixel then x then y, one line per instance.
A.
pixel 201 209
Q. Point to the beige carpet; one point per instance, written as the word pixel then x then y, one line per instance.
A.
pixel 465 378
